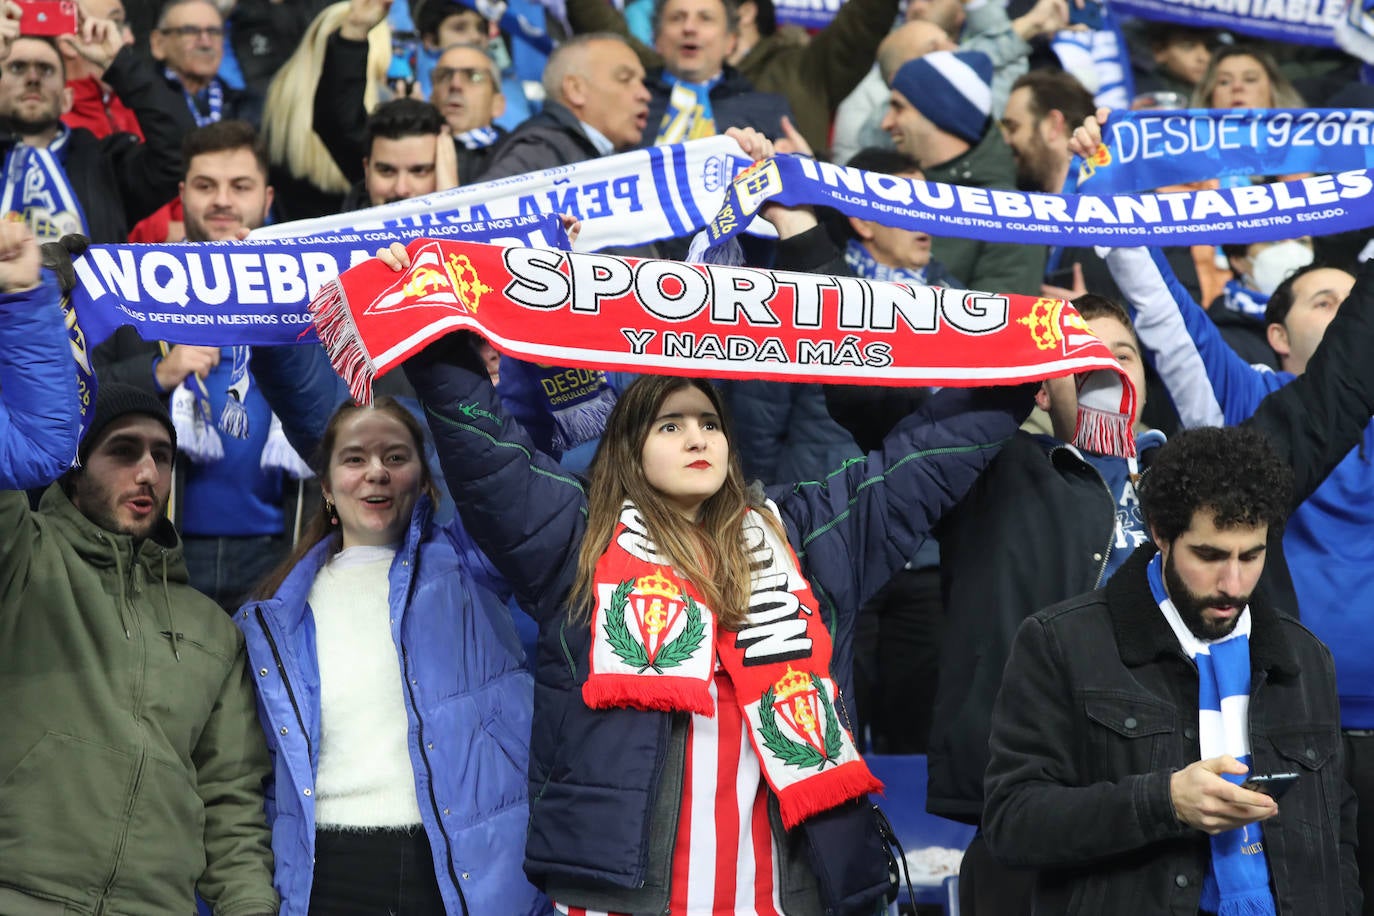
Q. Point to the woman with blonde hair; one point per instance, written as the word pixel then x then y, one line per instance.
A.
pixel 308 183
pixel 1244 76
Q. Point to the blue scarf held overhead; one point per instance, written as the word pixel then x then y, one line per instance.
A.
pixel 1317 205
pixel 1159 148
pixel 37 188
pixel 1237 881
pixel 1276 20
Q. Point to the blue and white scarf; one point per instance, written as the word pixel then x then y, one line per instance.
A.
pixel 627 199
pixel 235 294
pixel 214 99
pixel 1277 20
pixel 864 265
pixel 478 137
pixel 36 187
pixel 1237 881
pixel 1317 205
pixel 1241 299
pixel 1098 58
pixel 1156 148
pixel 689 115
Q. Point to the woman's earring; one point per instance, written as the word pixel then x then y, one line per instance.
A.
pixel 333 513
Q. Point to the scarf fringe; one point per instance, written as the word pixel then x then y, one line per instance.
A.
pixel 1247 905
pixel 608 691
pixel 233 419
pixel 1103 432
pixel 582 422
pixel 826 790
pixel 337 331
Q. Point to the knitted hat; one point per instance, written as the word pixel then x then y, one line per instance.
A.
pixel 114 400
pixel 953 89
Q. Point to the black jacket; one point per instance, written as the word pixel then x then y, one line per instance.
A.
pixel 340 117
pixel 119 179
pixel 734 103
pixel 552 137
pixel 1100 707
pixel 1046 516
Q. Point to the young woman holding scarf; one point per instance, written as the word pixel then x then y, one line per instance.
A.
pixel 391 683
pixel 690 750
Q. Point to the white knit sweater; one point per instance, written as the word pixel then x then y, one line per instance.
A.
pixel 365 779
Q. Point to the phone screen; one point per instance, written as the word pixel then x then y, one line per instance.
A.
pixel 1274 786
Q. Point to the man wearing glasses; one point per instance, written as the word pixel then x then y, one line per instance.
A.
pixel 72 181
pixel 189 43
pixel 466 92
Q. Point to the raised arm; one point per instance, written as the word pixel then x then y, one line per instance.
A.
pixel 1315 420
pixel 842 53
pixel 40 416
pixel 1041 811
pixel 149 172
pixel 522 510
pixel 340 115
pixel 1208 382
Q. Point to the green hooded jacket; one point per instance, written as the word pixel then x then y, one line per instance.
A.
pixel 132 763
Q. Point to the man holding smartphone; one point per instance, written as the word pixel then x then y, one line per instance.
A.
pixel 1129 717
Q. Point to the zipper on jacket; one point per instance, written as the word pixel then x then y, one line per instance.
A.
pixel 1111 501
pixel 286 682
pixel 433 802
pixel 123 831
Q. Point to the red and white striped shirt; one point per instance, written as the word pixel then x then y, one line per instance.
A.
pixel 724 860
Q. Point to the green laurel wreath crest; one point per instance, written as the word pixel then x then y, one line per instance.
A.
pixel 798 753
pixel 671 655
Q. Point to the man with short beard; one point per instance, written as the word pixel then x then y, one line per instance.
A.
pixel 74 182
pixel 1130 717
pixel 133 758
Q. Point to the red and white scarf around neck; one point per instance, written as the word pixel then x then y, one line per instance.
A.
pixel 655 644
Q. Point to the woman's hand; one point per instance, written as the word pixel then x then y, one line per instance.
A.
pixel 394 256
pixel 572 226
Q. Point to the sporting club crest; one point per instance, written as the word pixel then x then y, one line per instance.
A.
pixel 667 626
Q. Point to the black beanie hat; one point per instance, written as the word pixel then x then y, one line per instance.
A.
pixel 114 400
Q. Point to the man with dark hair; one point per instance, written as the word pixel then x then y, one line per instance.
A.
pixel 133 756
pixel 1042 111
pixel 403 155
pixel 74 182
pixel 230 508
pixel 466 93
pixel 1130 716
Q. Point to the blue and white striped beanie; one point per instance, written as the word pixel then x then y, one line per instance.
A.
pixel 953 89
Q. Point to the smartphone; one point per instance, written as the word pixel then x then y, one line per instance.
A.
pixel 1091 15
pixel 48 17
pixel 1273 785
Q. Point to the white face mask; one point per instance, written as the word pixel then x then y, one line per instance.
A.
pixel 1273 265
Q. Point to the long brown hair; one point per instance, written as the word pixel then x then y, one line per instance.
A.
pixel 709 553
pixel 321 526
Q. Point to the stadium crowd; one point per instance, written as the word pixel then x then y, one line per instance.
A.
pixel 507 640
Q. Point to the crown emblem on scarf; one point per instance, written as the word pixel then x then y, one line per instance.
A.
pixel 467 286
pixel 1043 322
pixel 656 584
pixel 713 173
pixel 791 683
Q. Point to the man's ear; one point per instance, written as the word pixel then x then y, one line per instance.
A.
pixel 862 228
pixel 498 103
pixel 1058 125
pixel 1042 398
pixel 574 92
pixel 1278 339
pixel 68 98
pixel 748 13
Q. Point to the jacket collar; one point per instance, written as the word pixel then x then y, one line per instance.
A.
pixel 1142 633
pixel 98 546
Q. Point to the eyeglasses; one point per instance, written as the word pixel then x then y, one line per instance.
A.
pixel 20 68
pixel 471 76
pixel 192 32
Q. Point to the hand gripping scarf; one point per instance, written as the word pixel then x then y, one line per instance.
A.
pixel 625 314
pixel 655 645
